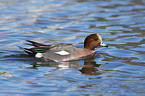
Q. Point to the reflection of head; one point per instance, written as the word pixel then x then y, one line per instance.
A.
pixel 89 67
pixel 89 70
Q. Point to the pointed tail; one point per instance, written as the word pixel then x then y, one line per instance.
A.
pixel 35 43
pixel 29 51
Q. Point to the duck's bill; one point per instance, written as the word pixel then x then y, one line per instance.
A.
pixel 103 45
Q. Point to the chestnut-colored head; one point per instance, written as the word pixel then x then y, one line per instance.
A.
pixel 92 41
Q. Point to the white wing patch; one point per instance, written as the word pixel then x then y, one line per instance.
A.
pixel 62 52
pixel 38 55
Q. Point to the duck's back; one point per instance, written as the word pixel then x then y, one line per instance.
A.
pixel 65 52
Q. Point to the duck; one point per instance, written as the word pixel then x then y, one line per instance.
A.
pixel 64 52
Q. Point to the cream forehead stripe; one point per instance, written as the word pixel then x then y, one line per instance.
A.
pixel 99 37
pixel 62 52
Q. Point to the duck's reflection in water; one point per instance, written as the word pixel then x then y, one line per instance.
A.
pixel 89 67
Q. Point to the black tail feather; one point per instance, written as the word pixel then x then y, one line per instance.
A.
pixel 29 51
pixel 38 48
pixel 35 43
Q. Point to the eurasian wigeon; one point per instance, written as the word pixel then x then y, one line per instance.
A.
pixel 65 52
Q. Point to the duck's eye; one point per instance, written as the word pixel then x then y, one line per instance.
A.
pixel 96 39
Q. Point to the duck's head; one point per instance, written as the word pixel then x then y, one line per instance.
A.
pixel 92 41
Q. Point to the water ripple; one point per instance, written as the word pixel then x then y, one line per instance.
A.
pixel 117 70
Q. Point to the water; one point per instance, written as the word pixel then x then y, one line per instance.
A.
pixel 118 70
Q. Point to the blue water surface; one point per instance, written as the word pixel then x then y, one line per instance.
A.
pixel 118 70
